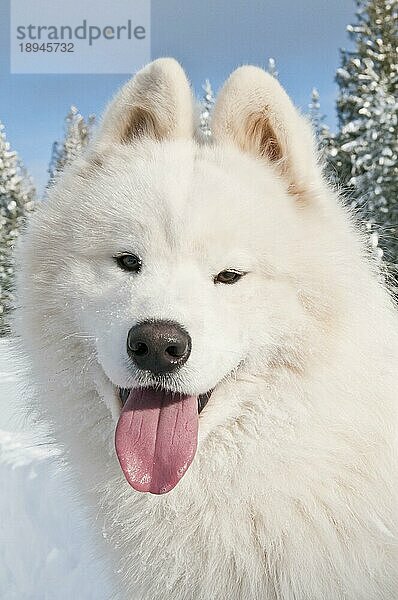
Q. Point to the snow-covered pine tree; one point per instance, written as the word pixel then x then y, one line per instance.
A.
pixel 206 107
pixel 325 138
pixel 17 198
pixel 367 158
pixel 78 132
pixel 322 132
pixel 271 69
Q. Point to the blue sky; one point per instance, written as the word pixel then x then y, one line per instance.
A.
pixel 210 38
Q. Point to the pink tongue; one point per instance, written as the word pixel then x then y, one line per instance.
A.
pixel 156 438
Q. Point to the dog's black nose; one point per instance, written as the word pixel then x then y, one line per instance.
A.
pixel 158 346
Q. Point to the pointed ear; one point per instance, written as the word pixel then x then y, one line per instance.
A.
pixel 254 113
pixel 156 103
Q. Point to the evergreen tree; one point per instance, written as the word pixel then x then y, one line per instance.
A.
pixel 272 70
pixel 78 132
pixel 322 132
pixel 207 104
pixel 367 157
pixel 17 196
pixel 326 139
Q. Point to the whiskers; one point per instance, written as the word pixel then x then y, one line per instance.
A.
pixel 80 335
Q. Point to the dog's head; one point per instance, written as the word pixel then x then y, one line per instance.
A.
pixel 177 266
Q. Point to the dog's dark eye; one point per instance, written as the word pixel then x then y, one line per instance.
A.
pixel 228 276
pixel 128 262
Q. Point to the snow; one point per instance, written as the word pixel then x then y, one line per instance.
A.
pixel 44 553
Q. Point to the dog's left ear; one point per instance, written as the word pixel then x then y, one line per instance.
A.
pixel 254 113
pixel 156 104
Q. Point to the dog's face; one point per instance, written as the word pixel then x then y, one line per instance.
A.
pixel 177 262
pixel 181 236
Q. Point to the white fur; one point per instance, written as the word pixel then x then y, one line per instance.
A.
pixel 293 490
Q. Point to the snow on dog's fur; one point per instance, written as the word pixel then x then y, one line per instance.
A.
pixel 292 493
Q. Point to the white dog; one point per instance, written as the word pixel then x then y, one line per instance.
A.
pixel 215 306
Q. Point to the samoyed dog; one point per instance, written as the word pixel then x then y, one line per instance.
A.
pixel 216 352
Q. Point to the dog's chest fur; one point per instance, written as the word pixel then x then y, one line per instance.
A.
pixel 257 520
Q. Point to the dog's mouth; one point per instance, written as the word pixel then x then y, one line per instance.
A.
pixel 202 398
pixel 156 436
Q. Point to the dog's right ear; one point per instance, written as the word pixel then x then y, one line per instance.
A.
pixel 156 103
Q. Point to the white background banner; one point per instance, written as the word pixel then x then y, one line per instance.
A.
pixel 90 36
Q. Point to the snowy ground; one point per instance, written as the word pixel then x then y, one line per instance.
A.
pixel 42 552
